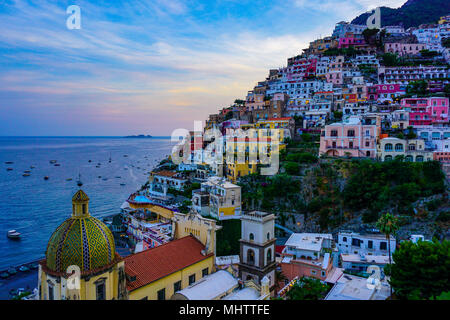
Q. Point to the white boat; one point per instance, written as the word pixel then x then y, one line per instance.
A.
pixel 13 234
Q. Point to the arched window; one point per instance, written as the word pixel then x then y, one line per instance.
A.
pixel 251 237
pixel 398 147
pixel 269 256
pixel 388 147
pixel 250 257
pixel 419 159
pixel 388 158
pixel 409 158
pixel 268 235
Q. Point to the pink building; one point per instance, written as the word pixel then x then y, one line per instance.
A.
pixel 351 40
pixel 426 111
pixel 404 49
pixel 353 137
pixel 389 91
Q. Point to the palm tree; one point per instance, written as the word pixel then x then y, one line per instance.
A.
pixel 388 225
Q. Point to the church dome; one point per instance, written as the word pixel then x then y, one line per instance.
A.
pixel 81 240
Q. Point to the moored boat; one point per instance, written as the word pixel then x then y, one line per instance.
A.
pixel 53 161
pixel 23 269
pixel 46 178
pixel 13 234
pixel 57 165
pixel 9 169
pixel 26 175
pixel 9 162
pixel 12 271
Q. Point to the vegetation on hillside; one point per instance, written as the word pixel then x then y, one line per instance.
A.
pixel 420 270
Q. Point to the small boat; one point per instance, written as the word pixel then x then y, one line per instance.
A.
pixel 4 275
pixel 57 165
pixel 9 162
pixel 12 271
pixel 26 175
pixel 9 169
pixel 90 161
pixel 46 178
pixel 69 179
pixel 104 179
pixel 53 161
pixel 97 166
pixel 99 177
pixel 118 177
pixel 13 234
pixel 32 167
pixel 125 155
pixel 23 269
pixel 27 171
pixel 122 184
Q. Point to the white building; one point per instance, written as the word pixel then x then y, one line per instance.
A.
pixel 364 244
pixel 307 245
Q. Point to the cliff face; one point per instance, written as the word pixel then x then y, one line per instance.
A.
pixel 412 14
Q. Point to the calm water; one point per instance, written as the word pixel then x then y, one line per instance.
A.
pixel 35 207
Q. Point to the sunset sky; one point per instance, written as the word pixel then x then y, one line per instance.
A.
pixel 146 66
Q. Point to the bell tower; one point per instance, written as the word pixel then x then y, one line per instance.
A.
pixel 80 204
pixel 257 253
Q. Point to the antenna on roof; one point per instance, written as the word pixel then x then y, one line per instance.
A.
pixel 79 183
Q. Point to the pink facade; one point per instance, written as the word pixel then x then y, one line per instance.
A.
pixel 404 48
pixel 351 40
pixel 335 77
pixel 389 91
pixel 426 111
pixel 353 139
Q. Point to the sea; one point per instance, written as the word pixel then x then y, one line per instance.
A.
pixel 36 207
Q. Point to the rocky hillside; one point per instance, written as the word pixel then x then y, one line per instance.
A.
pixel 412 14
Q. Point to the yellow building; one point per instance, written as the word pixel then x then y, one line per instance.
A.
pixel 157 273
pixel 412 150
pixel 81 262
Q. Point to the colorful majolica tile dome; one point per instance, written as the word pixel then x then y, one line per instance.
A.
pixel 81 240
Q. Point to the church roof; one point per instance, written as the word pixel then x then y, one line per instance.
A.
pixel 86 242
pixel 155 263
pixel 80 196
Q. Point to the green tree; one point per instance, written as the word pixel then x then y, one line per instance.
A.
pixel 307 289
pixel 421 270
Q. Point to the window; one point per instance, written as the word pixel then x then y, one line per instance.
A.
pixel 84 209
pixel 204 272
pixel 100 290
pixel 387 158
pixel 323 273
pixel 51 292
pixel 388 147
pixel 162 294
pixel 370 244
pixel 313 271
pixel 334 133
pixel 383 245
pixel 344 239
pixel 177 286
pixel 269 256
pixel 191 279
pixel 350 144
pixel 250 257
pixel 268 236
pixel 251 237
pixel 351 133
pixel 398 147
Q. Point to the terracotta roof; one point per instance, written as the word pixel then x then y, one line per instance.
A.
pixel 155 263
pixel 165 173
